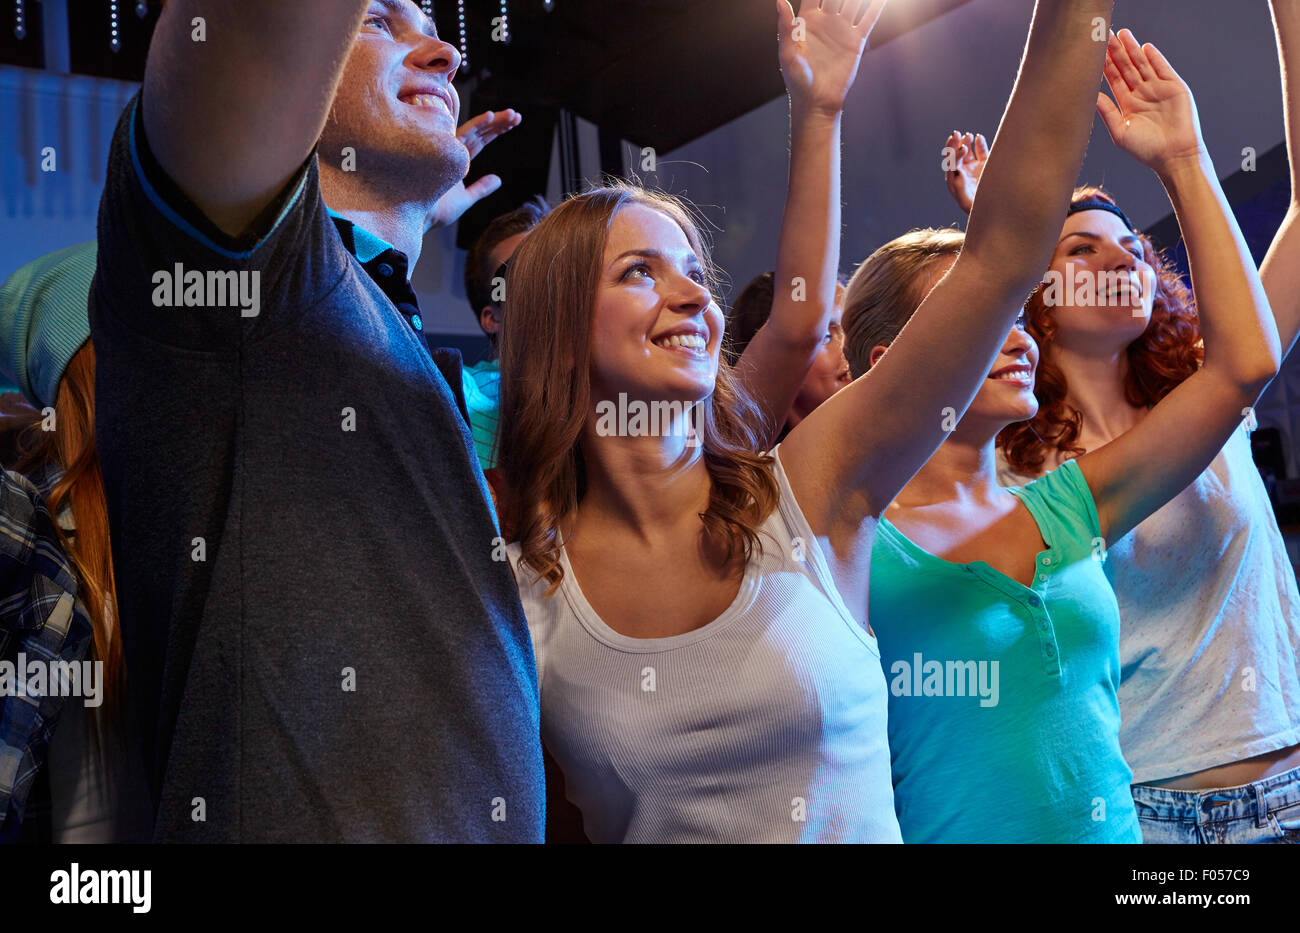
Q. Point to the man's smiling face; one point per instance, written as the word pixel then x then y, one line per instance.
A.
pixel 395 103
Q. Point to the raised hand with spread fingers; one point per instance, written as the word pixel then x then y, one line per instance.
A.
pixel 822 47
pixel 1153 117
pixel 475 134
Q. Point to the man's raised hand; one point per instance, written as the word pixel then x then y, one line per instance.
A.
pixel 474 135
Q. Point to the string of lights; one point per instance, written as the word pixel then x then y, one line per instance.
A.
pixel 464 43
pixel 142 10
pixel 114 25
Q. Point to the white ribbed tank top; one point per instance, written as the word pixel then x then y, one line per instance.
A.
pixel 765 725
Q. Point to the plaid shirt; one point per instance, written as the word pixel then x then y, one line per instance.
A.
pixel 41 619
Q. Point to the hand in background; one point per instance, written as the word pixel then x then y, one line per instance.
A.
pixel 474 135
pixel 969 154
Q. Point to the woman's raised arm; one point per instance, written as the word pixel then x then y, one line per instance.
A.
pixel 1154 119
pixel 1280 270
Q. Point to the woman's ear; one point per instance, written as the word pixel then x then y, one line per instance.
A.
pixel 876 353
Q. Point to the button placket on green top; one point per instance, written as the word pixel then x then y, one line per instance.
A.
pixel 1048 645
pixel 1045 562
pixel 1032 598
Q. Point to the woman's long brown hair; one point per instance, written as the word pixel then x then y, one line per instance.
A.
pixel 546 388
pixel 70 447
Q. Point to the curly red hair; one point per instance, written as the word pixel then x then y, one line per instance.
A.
pixel 1166 353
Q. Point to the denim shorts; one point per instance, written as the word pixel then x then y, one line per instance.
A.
pixel 1266 811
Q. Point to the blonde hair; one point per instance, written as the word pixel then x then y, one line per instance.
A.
pixel 888 287
pixel 546 388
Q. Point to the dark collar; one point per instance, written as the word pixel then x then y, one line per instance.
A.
pixel 387 266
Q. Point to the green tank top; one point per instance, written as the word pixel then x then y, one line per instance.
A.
pixel 1003 717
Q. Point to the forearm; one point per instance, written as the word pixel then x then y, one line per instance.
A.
pixel 1280 273
pixel 776 361
pixel 1241 340
pixel 1040 144
pixel 807 256
pixel 1280 270
pixel 230 118
pixel 1286 30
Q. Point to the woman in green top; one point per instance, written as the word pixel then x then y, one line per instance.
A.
pixel 998 630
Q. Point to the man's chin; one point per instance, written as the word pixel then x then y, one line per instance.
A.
pixel 447 150
pixel 431 163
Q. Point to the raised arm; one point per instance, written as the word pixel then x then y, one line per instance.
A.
pixel 819 59
pixel 1280 270
pixel 231 116
pixel 1155 121
pixel 863 444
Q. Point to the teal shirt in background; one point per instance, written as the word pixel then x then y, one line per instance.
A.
pixel 482 387
pixel 1027 750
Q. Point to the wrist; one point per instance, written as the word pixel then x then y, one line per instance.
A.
pixel 814 116
pixel 1183 166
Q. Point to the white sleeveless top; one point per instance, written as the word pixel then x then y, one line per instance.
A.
pixel 1209 625
pixel 765 725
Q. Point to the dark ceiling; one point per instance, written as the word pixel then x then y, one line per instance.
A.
pixel 657 73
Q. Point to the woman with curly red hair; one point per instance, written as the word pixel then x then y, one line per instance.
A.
pixel 1159 350
pixel 1210 614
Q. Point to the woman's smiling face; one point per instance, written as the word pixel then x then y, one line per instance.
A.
pixel 1105 285
pixel 656 332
